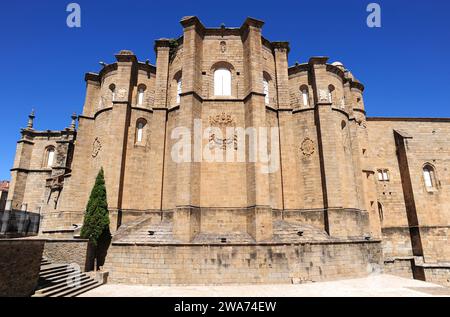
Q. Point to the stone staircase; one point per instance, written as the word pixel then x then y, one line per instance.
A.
pixel 63 280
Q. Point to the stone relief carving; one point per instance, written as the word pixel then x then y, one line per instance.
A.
pixel 96 147
pixel 307 147
pixel 222 121
pixel 323 95
pixel 122 93
pixel 223 46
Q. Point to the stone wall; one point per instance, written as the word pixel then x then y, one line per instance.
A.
pixel 438 275
pixel 399 267
pixel 68 252
pixel 425 141
pixel 20 262
pixel 239 264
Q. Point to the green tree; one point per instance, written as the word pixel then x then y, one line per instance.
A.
pixel 96 219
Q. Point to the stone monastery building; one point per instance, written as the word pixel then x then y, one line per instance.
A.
pixel 349 194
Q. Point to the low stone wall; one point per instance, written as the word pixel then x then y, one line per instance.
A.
pixel 400 267
pixel 438 275
pixel 241 264
pixel 20 261
pixel 69 251
pixel 344 223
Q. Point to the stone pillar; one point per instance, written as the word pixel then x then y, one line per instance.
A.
pixel 92 92
pixel 259 221
pixel 326 134
pixel 162 49
pixel 282 80
pixel 188 173
pixel 159 118
pixel 120 121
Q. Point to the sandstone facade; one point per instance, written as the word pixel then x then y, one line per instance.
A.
pixel 341 177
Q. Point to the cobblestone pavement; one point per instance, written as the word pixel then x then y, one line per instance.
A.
pixel 372 286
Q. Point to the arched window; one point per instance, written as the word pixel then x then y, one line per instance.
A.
pixel 429 176
pixel 112 87
pixel 141 94
pixel 222 82
pixel 305 95
pixel 266 91
pixel 330 93
pixel 49 156
pixel 140 127
pixel 179 90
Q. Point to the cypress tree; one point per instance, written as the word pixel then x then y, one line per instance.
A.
pixel 96 218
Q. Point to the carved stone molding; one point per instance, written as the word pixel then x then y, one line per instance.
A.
pixel 221 120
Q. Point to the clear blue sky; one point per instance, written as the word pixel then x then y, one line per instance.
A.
pixel 404 64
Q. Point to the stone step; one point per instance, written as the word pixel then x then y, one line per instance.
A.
pixel 57 273
pixel 51 267
pixel 86 289
pixel 71 292
pixel 54 278
pixel 61 283
pixel 63 289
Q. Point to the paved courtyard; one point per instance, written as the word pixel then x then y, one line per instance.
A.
pixel 372 286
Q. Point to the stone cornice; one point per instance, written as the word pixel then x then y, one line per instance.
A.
pixel 281 46
pixel 47 133
pixel 253 23
pixel 298 68
pixel 126 56
pixel 27 170
pixel 147 67
pixel 336 70
pixel 318 60
pixel 356 85
pixel 189 21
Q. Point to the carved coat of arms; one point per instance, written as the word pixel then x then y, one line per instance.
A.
pixel 307 147
pixel 222 121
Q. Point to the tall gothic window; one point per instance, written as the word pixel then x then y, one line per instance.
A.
pixel 330 93
pixel 112 87
pixel 49 156
pixel 140 129
pixel 222 82
pixel 305 95
pixel 141 95
pixel 179 90
pixel 429 177
pixel 266 91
